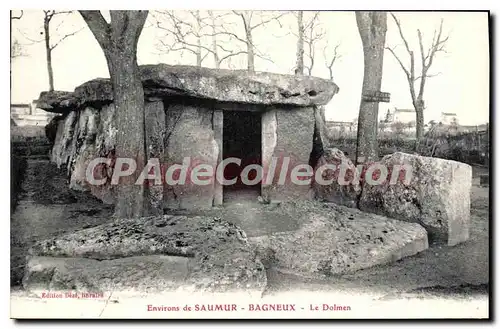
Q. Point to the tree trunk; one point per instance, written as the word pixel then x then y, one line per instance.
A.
pixel 118 40
pixel 250 49
pixel 214 42
pixel 372 28
pixel 299 67
pixel 419 127
pixel 48 51
pixel 198 40
pixel 198 53
pixel 130 137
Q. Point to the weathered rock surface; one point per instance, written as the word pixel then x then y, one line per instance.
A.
pixel 437 196
pixel 155 149
pixel 51 129
pixel 236 86
pixel 190 136
pixel 339 241
pixel 56 101
pixel 218 255
pixel 291 146
pixel 139 273
pixel 320 142
pixel 343 194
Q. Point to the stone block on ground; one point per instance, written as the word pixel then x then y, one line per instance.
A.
pixel 436 195
pixel 342 194
pixel 138 273
pixel 340 240
pixel 217 254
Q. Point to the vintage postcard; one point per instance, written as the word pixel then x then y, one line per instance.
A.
pixel 249 164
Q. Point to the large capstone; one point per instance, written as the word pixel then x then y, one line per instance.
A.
pixel 430 191
pixel 237 86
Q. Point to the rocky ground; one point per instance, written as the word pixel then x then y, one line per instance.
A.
pixel 46 208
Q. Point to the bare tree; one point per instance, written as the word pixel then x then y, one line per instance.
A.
pixel 118 40
pixel 372 28
pixel 52 38
pixel 51 45
pixel 249 25
pixel 313 33
pixel 215 50
pixel 426 60
pixel 309 33
pixel 299 66
pixel 190 34
pixel 332 59
pixel 185 31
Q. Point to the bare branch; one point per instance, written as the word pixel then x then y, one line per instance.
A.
pixel 312 35
pixel 261 56
pixel 429 75
pixel 399 61
pixel 275 18
pixel 33 41
pixel 398 23
pixel 231 55
pixel 329 64
pixel 55 13
pixel 64 38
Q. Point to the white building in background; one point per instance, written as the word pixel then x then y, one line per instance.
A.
pixel 29 115
pixel 404 115
pixel 448 118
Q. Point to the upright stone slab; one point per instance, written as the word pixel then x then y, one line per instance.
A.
pixel 287 141
pixel 83 147
pixel 437 195
pixel 61 151
pixel 218 123
pixel 105 143
pixel 344 191
pixel 155 151
pixel 190 139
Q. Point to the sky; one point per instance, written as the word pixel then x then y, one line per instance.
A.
pixel 461 86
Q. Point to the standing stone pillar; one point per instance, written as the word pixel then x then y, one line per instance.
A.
pixel 269 139
pixel 218 123
pixel 155 149
pixel 287 142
